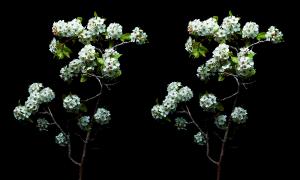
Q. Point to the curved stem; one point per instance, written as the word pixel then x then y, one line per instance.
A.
pixel 66 135
pixel 237 89
pixel 258 42
pixel 120 44
pixel 193 121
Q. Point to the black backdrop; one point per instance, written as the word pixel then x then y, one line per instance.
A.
pixel 135 145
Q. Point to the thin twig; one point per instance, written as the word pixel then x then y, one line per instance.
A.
pixel 237 90
pixel 193 121
pixel 100 50
pixel 245 84
pixel 120 44
pixel 66 135
pixel 258 42
pixel 208 151
pixel 232 47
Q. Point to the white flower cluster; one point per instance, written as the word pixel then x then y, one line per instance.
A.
pixel 102 116
pixel 220 121
pixel 96 26
pixel 274 35
pixel 239 115
pixel 72 70
pixel 84 123
pixel 200 139
pixel 37 96
pixel 189 45
pixel 250 30
pixel 53 46
pixel 67 29
pixel 205 28
pixel 71 103
pixel 208 102
pixel 221 52
pixel 87 53
pixel 114 31
pixel 111 66
pixel 85 37
pixel 245 67
pixel 180 123
pixel 42 124
pixel 61 139
pixel 231 25
pixel 176 94
pixel 138 36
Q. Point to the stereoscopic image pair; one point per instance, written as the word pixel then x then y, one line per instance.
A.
pixel 224 47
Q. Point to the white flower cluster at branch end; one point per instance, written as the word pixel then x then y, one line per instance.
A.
pixel 203 28
pixel 208 102
pixel 61 139
pixel 250 30
pixel 274 35
pixel 239 115
pixel 138 36
pixel 102 116
pixel 200 139
pixel 71 103
pixel 96 26
pixel 176 94
pixel 42 124
pixel 84 123
pixel 37 96
pixel 72 70
pixel 181 123
pixel 114 31
pixel 67 29
pixel 221 121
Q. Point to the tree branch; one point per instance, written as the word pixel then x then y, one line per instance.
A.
pixel 120 44
pixel 237 90
pixel 258 42
pixel 193 121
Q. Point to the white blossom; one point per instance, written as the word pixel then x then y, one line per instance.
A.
pixel 85 37
pixel 159 112
pixel 46 95
pixel 32 105
pixel 96 25
pixel 67 29
pixel 274 35
pixel 231 25
pixel 53 46
pixel 114 31
pixel 71 103
pixel 245 67
pixel 87 53
pixel 42 124
pixel 102 116
pixel 189 45
pixel 84 123
pixel 111 68
pixel 35 87
pixel 239 115
pixel 208 102
pixel 200 139
pixel 250 30
pixel 21 113
pixel 221 121
pixel 221 52
pixel 185 94
pixel 203 72
pixel 174 86
pixel 138 36
pixel 61 139
pixel 181 123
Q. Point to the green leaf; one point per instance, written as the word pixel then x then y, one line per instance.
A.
pixel 83 78
pixel 80 19
pixel 118 73
pixel 117 56
pixel 95 14
pixel 230 13
pixel 216 18
pixel 221 77
pixel 168 119
pixel 83 108
pixel 220 107
pixel 100 61
pixel 203 50
pixel 261 36
pixel 125 37
pixel 156 100
pixel 251 55
pixel 195 53
pixel 234 59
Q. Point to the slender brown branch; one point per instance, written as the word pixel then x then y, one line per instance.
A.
pixel 120 44
pixel 66 135
pixel 193 120
pixel 237 89
pixel 208 150
pixel 101 87
pixel 84 150
pixel 232 47
pixel 258 42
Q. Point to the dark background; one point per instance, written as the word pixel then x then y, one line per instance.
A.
pixel 134 145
